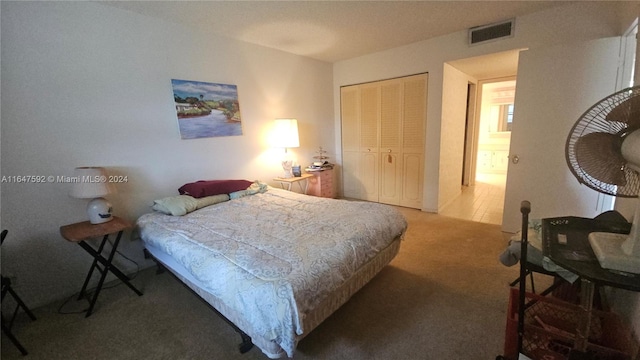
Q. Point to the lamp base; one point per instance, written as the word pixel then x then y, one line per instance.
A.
pixel 608 250
pixel 287 165
pixel 99 211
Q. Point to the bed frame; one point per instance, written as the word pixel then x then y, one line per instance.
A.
pixel 246 343
pixel 312 319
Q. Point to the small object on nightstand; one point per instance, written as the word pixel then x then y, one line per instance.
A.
pixel 319 166
pixel 320 163
pixel 83 231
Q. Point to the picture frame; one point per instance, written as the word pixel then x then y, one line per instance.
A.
pixel 205 109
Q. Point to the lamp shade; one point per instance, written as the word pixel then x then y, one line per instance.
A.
pixel 285 133
pixel 90 182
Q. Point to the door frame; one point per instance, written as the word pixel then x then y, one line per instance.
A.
pixel 470 156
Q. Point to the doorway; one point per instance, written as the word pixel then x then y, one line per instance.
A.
pixel 487 137
pixel 494 138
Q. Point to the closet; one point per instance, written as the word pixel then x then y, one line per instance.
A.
pixel 383 129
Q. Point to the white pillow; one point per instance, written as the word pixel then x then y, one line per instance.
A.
pixel 183 204
pixel 175 205
pixel 211 200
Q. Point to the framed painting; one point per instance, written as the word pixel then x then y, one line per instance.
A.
pixel 206 109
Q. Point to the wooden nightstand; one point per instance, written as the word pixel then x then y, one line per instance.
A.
pixel 288 181
pixel 321 184
pixel 81 232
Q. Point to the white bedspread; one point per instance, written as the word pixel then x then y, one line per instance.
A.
pixel 274 256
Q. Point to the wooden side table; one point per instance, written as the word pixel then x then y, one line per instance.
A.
pixel 322 184
pixel 298 179
pixel 81 232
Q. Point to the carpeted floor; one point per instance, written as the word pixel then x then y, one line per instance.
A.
pixel 443 297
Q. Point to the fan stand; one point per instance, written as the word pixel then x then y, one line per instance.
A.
pixel 618 251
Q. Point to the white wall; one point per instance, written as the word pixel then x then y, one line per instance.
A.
pixel 87 84
pixel 565 24
pixel 454 114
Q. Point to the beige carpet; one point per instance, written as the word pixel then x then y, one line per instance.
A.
pixel 443 297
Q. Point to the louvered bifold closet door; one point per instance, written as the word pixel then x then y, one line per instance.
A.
pixel 390 154
pixel 413 135
pixel 383 129
pixel 350 115
pixel 369 133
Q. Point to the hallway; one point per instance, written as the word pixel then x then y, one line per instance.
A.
pixel 482 203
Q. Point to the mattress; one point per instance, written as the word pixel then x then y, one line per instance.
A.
pixel 277 263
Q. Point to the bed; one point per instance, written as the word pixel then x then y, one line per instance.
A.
pixel 273 262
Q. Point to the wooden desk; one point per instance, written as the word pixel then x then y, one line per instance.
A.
pixel 298 179
pixel 578 257
pixel 81 232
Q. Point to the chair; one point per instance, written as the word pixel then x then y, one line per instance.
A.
pixel 7 289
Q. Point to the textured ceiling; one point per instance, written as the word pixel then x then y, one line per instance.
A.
pixel 333 30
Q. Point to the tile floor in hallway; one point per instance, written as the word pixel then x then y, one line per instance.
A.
pixel 482 202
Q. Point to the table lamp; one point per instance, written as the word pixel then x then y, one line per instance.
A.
pixel 286 136
pixel 91 183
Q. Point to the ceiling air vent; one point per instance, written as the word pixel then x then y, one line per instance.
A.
pixel 480 34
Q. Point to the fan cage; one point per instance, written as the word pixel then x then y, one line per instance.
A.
pixel 594 120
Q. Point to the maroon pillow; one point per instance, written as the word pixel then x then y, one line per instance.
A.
pixel 204 188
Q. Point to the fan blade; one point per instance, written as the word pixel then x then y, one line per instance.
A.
pixel 600 156
pixel 627 112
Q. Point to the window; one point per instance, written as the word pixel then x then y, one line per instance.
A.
pixel 505 117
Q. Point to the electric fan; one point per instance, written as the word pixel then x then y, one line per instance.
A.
pixel 603 152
